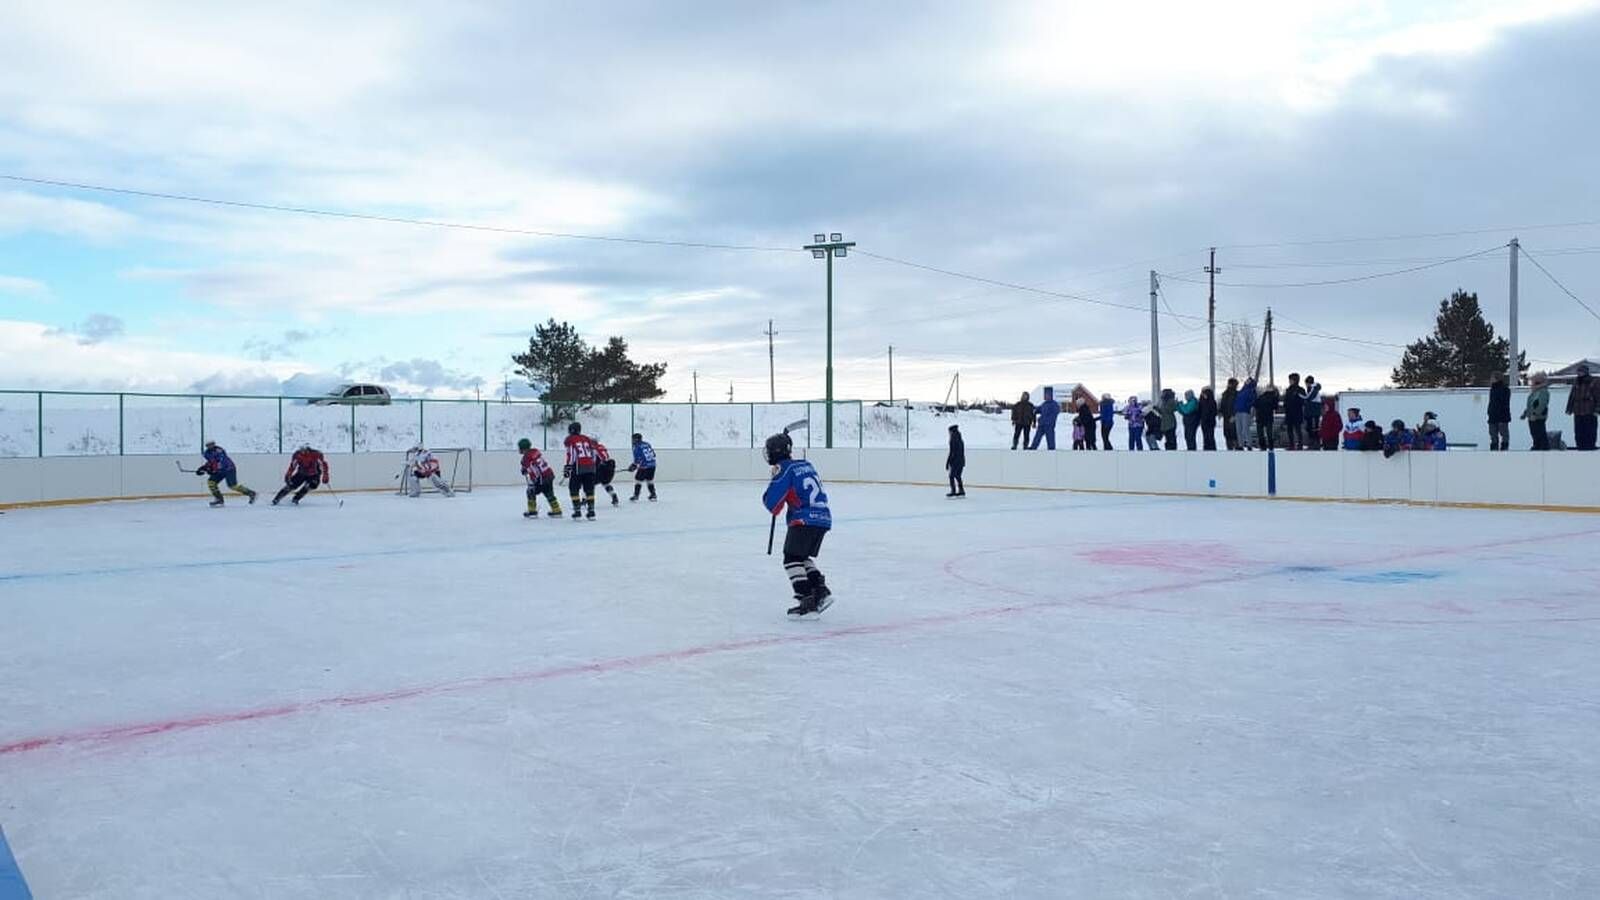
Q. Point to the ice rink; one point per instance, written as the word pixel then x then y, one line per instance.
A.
pixel 1019 694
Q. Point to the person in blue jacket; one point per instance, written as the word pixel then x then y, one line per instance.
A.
pixel 219 467
pixel 1244 403
pixel 797 486
pixel 643 467
pixel 1399 438
pixel 1047 413
pixel 1108 417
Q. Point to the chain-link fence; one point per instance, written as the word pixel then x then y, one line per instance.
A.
pixel 59 423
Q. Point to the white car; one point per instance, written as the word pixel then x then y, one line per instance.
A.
pixel 355 394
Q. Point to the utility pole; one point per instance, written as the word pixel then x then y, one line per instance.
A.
pixel 958 390
pixel 827 247
pixel 730 392
pixel 1155 341
pixel 1211 316
pixel 772 383
pixel 891 374
pixel 1516 374
pixel 1272 377
pixel 694 397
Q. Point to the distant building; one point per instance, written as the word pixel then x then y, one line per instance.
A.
pixel 1068 394
pixel 1569 374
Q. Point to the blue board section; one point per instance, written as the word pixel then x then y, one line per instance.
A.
pixel 12 887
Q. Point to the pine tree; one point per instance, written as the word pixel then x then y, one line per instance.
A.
pixel 1462 351
pixel 570 373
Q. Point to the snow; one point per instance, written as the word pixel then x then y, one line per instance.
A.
pixel 1018 694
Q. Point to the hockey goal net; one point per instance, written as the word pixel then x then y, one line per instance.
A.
pixel 455 469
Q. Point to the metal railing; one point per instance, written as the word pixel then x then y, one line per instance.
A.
pixel 75 423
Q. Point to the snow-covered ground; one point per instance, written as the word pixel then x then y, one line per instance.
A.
pixel 1016 695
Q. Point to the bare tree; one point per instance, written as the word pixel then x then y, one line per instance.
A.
pixel 1238 348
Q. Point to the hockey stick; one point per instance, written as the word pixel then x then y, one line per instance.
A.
pixel 772 529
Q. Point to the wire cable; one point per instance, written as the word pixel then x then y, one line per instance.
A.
pixel 1352 280
pixel 396 220
pixel 1557 282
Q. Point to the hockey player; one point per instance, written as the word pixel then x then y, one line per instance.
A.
pixel 541 480
pixel 582 461
pixel 605 469
pixel 795 484
pixel 420 464
pixel 306 469
pixel 643 467
pixel 219 467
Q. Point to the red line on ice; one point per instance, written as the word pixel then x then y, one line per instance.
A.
pixel 123 733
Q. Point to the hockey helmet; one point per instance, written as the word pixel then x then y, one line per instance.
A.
pixel 1398 424
pixel 524 444
pixel 779 447
pixel 574 428
pixel 637 437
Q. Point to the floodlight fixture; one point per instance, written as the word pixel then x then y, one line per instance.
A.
pixel 836 236
pixel 838 251
pixel 819 238
pixel 818 253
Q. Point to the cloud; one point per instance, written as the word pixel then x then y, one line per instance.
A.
pixel 24 211
pixel 18 286
pixel 266 349
pixel 429 375
pixel 96 329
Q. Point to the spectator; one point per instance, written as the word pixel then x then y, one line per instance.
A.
pixel 1430 436
pixel 1243 402
pixel 1086 422
pixel 956 462
pixel 1582 405
pixel 1266 407
pixel 1168 407
pixel 1108 414
pixel 1230 394
pixel 1208 419
pixel 1499 414
pixel 1398 439
pixel 1353 430
pixel 1294 412
pixel 1022 419
pixel 1371 436
pixel 1134 413
pixel 1077 434
pixel 1314 413
pixel 1152 426
pixel 1189 409
pixel 1047 412
pixel 1538 411
pixel 1330 426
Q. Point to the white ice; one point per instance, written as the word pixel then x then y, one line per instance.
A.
pixel 1018 694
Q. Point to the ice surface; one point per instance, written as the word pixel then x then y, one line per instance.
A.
pixel 1016 695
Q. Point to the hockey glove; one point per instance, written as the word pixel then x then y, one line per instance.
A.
pixel 633 468
pixel 200 471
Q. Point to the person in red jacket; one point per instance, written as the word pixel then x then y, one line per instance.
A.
pixel 605 470
pixel 582 461
pixel 307 468
pixel 1331 427
pixel 541 480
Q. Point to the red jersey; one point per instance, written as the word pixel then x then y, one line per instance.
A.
pixel 310 463
pixel 600 453
pixel 534 467
pixel 581 452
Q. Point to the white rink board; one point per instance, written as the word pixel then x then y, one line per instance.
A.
pixel 1018 694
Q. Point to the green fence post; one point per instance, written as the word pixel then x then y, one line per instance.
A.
pixel 352 428
pixel 632 425
pixel 280 424
pixel 485 405
pixel 691 426
pixel 808 424
pixel 122 442
pixel 422 432
pixel 908 428
pixel 544 420
pixel 752 426
pixel 38 409
pixel 202 423
pixel 861 426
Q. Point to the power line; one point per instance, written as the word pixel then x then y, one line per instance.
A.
pixel 1557 282
pixel 395 220
pixel 1332 281
pixel 1591 223
pixel 1172 312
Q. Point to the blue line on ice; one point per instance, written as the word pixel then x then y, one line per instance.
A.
pixel 586 535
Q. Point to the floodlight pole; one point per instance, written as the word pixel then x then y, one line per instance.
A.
pixel 1514 377
pixel 827 246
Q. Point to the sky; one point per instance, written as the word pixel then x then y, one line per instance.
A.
pixel 1065 148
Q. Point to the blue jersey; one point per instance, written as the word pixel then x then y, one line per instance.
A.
pixel 644 455
pixel 798 485
pixel 217 461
